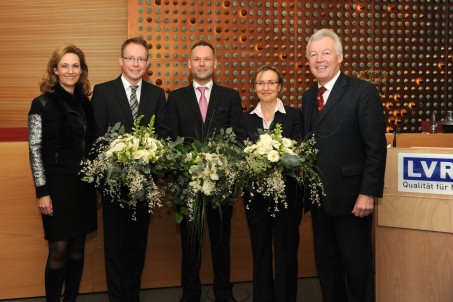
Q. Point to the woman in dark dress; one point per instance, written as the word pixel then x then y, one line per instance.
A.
pixel 280 233
pixel 60 125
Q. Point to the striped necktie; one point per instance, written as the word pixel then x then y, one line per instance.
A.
pixel 133 102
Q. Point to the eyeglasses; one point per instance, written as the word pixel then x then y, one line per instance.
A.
pixel 132 60
pixel 269 84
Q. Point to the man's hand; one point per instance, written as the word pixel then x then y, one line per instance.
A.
pixel 364 206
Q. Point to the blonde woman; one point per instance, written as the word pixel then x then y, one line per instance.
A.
pixel 277 235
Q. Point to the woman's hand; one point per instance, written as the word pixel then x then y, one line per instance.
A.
pixel 45 205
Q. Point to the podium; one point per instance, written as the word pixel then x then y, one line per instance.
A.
pixel 414 227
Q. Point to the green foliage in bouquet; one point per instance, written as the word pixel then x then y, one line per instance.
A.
pixel 209 175
pixel 125 165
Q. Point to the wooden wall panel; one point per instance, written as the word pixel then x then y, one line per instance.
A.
pixel 23 250
pixel 413 263
pixel 413 266
pixel 22 247
pixel 31 30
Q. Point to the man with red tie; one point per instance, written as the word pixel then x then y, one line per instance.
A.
pixel 346 116
pixel 196 112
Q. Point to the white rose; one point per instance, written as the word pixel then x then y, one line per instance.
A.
pixel 141 154
pixel 287 142
pixel 108 153
pixel 264 145
pixel 118 147
pixel 249 149
pixel 208 188
pixel 265 139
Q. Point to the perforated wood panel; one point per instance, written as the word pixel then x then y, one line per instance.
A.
pixel 404 47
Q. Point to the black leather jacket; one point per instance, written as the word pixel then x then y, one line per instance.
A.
pixel 60 132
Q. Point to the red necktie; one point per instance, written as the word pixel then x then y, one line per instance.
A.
pixel 320 99
pixel 203 103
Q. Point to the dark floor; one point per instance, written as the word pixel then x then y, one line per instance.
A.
pixel 308 291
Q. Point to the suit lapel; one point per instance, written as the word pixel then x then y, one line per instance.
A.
pixel 335 96
pixel 121 98
pixel 214 100
pixel 145 106
pixel 279 118
pixel 255 123
pixel 192 102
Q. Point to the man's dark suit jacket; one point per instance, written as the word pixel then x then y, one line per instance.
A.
pixel 224 110
pixel 351 141
pixel 125 240
pixel 111 106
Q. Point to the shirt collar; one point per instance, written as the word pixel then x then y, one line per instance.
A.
pixel 279 107
pixel 329 85
pixel 126 84
pixel 208 85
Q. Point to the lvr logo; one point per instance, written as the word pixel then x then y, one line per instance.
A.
pixel 431 169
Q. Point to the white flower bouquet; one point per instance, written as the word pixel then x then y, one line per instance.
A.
pixel 209 176
pixel 125 165
pixel 272 158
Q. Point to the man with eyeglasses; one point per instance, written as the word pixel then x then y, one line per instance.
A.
pixel 123 100
pixel 196 111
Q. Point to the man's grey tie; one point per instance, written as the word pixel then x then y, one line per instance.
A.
pixel 133 101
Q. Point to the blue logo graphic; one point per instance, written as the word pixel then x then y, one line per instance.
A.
pixel 428 169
